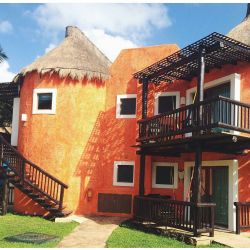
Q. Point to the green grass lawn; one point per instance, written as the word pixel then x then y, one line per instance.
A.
pixel 126 236
pixel 11 224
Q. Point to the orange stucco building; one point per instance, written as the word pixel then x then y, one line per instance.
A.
pixel 78 121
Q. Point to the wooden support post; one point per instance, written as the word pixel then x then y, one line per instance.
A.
pixel 144 116
pixel 5 195
pixel 237 217
pixel 197 175
pixel 198 152
pixel 142 175
pixel 144 103
pixel 211 234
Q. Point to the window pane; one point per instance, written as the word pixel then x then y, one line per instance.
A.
pixel 125 173
pixel 45 101
pixel 128 106
pixel 166 104
pixel 164 175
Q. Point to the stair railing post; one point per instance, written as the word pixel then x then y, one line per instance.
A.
pixel 23 171
pixel 237 205
pixel 212 221
pixel 61 198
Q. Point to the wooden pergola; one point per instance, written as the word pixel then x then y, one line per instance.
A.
pixel 212 51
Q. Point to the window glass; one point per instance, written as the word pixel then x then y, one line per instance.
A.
pixel 125 173
pixel 128 106
pixel 164 175
pixel 44 100
pixel 166 104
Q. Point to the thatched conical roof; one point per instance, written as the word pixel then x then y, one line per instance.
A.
pixel 241 32
pixel 76 57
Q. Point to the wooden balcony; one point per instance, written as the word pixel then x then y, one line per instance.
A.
pixel 213 122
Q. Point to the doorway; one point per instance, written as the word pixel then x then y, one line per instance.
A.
pixel 214 183
pixel 225 184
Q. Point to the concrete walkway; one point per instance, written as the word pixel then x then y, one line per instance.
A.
pixel 91 233
pixel 232 240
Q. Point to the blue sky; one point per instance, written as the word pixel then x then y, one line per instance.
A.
pixel 27 31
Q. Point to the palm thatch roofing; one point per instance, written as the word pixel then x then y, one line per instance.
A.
pixel 76 57
pixel 241 32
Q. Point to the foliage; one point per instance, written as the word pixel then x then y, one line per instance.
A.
pixel 17 224
pixel 3 56
pixel 6 108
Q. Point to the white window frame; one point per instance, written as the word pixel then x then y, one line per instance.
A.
pixel 35 109
pixel 233 79
pixel 118 105
pixel 126 184
pixel 235 88
pixel 169 164
pixel 159 94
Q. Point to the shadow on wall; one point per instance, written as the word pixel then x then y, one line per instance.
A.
pixel 89 166
pixel 111 140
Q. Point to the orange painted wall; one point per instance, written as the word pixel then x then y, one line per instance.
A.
pixel 120 133
pixel 81 142
pixel 60 143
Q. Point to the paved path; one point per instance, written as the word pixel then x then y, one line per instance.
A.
pixel 91 233
pixel 233 240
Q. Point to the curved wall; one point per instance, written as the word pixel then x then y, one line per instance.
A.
pixel 58 143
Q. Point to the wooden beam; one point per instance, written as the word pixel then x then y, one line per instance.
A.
pixel 142 174
pixel 144 116
pixel 198 151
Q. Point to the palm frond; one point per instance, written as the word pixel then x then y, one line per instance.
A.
pixel 3 56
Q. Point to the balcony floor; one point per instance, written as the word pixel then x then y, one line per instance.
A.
pixel 220 142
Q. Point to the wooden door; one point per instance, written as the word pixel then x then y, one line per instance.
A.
pixel 220 194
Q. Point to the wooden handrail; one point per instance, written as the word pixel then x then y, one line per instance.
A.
pixel 190 106
pixel 32 163
pixel 32 175
pixel 217 112
pixel 193 217
pixel 242 216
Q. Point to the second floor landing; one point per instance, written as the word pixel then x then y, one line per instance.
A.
pixel 216 121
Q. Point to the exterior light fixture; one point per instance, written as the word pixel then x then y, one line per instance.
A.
pixel 89 194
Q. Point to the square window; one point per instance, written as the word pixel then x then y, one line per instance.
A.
pixel 123 173
pixel 126 106
pixel 44 101
pixel 164 175
pixel 166 102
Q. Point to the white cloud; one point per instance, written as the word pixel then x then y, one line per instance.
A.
pixel 111 27
pixel 6 27
pixel 50 47
pixel 5 74
pixel 110 45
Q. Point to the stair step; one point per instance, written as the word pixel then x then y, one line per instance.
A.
pixel 11 174
pixel 14 180
pixel 28 190
pixel 63 213
pixel 34 195
pixel 53 209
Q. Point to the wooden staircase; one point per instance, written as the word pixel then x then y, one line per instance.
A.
pixel 37 184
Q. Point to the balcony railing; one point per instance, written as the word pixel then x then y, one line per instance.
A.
pixel 188 216
pixel 242 216
pixel 209 116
